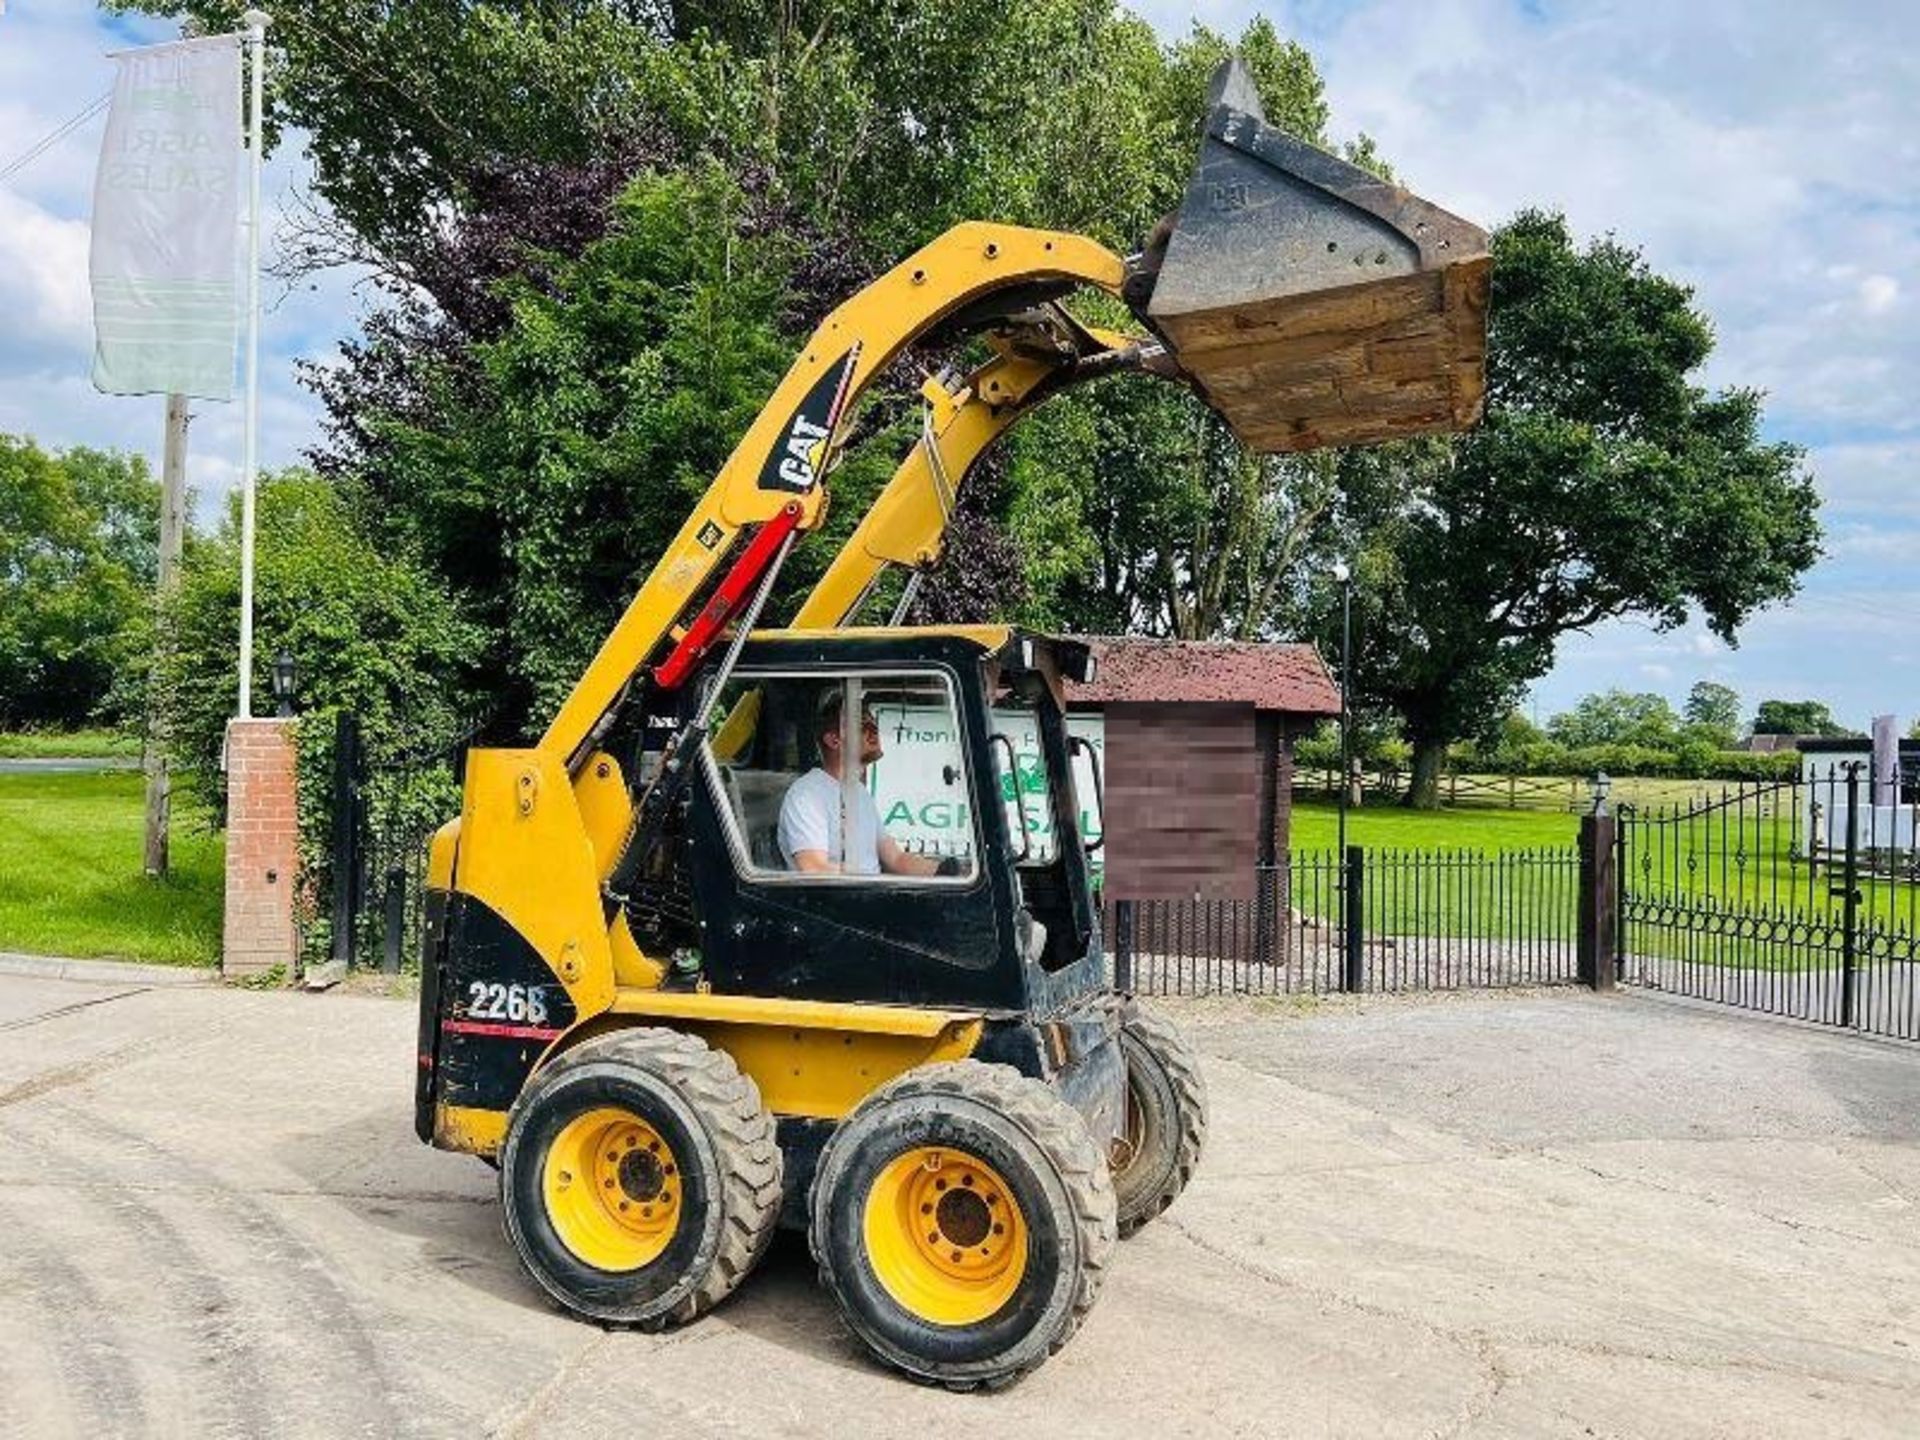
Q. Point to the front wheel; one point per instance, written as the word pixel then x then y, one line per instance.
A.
pixel 640 1178
pixel 963 1218
pixel 1166 1118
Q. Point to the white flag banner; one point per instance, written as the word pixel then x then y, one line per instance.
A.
pixel 166 223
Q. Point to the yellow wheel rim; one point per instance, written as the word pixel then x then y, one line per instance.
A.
pixel 945 1236
pixel 613 1189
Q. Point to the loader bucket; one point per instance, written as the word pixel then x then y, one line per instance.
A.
pixel 1312 303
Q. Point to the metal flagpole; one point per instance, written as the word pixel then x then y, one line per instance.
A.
pixel 256 21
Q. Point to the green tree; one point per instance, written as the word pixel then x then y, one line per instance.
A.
pixel 611 395
pixel 369 628
pixel 1617 717
pixel 1797 717
pixel 1604 481
pixel 1713 710
pixel 78 551
pixel 893 119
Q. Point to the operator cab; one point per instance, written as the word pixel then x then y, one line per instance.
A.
pixel 898 816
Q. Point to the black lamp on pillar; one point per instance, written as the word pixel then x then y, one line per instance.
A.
pixel 285 676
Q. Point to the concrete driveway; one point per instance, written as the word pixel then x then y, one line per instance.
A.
pixel 1491 1216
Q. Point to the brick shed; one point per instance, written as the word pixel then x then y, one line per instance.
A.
pixel 1199 759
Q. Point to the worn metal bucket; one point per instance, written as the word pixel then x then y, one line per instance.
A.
pixel 1312 303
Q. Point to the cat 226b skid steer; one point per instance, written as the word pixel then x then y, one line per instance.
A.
pixel 681 1000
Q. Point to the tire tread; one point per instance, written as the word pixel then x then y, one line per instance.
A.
pixel 1054 1126
pixel 744 1138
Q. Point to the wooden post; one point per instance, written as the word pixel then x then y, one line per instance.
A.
pixel 346 837
pixel 1599 926
pixel 1353 977
pixel 1123 945
pixel 1269 849
pixel 173 493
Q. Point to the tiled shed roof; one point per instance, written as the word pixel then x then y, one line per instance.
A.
pixel 1289 678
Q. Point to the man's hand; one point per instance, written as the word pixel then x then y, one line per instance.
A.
pixel 896 861
pixel 814 862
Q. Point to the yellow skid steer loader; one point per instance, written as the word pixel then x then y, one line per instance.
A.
pixel 682 999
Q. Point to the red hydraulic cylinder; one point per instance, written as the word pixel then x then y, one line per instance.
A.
pixel 727 598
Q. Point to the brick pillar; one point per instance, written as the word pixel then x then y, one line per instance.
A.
pixel 262 848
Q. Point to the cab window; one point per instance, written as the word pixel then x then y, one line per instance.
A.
pixel 849 777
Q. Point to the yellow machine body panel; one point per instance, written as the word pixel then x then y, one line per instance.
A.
pixel 606 808
pixel 812 1059
pixel 468 1130
pixel 525 854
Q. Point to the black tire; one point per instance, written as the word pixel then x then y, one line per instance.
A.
pixel 1166 1118
pixel 710 1117
pixel 1039 1147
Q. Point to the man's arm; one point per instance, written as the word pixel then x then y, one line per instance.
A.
pixel 806 833
pixel 896 861
pixel 814 862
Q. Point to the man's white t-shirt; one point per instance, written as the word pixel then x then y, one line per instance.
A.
pixel 810 820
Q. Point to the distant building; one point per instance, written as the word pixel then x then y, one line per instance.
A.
pixel 1198 745
pixel 1773 744
pixel 1889 805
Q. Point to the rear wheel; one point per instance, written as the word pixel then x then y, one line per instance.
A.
pixel 1166 1119
pixel 640 1178
pixel 963 1219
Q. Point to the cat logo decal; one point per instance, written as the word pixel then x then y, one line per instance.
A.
pixel 800 459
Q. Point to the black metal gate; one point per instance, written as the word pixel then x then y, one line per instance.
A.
pixel 386 806
pixel 1796 897
pixel 1366 920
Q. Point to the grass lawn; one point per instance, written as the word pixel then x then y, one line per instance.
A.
pixel 70 876
pixel 1713 891
pixel 67 745
pixel 1316 827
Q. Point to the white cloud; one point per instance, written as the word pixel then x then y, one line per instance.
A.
pixel 43 276
pixel 1877 294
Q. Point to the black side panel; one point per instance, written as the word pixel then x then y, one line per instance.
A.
pixel 498 1006
pixel 801 1141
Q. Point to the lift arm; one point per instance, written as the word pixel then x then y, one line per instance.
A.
pixel 786 453
pixel 906 524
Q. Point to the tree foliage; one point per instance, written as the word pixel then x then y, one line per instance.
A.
pixel 79 542
pixel 1714 709
pixel 607 226
pixel 608 222
pixel 1617 717
pixel 369 628
pixel 1797 717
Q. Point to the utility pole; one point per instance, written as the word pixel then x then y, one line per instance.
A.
pixel 173 504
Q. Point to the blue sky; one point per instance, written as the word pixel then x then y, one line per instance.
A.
pixel 1765 151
